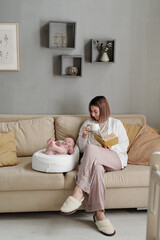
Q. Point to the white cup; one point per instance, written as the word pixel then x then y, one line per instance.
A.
pixel 94 127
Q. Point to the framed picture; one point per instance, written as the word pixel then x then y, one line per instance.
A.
pixel 9 47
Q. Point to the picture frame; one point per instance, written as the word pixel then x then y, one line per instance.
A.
pixel 9 47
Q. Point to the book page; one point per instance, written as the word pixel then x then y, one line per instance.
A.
pixel 111 140
pixel 110 136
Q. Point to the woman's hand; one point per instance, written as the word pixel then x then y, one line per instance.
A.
pixel 108 147
pixel 85 131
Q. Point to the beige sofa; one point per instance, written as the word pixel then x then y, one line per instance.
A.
pixel 23 189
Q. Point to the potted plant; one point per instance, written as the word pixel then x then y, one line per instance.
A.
pixel 103 48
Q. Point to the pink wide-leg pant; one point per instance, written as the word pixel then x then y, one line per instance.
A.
pixel 90 177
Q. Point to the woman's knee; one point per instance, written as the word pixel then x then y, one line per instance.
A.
pixel 89 156
pixel 90 148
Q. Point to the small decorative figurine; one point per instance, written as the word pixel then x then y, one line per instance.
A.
pixel 73 71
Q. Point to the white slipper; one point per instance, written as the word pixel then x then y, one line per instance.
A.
pixel 71 205
pixel 104 226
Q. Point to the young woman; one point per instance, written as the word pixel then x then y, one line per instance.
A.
pixel 97 160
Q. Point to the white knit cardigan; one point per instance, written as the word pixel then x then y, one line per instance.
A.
pixel 113 125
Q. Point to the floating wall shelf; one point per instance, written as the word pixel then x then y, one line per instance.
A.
pixel 96 54
pixel 62 35
pixel 69 61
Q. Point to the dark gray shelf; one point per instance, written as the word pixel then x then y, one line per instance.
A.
pixel 68 61
pixel 62 35
pixel 96 54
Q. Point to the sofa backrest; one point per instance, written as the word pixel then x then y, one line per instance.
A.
pixel 33 131
pixel 137 119
pixel 70 124
pixel 31 134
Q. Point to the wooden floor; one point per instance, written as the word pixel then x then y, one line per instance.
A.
pixel 130 224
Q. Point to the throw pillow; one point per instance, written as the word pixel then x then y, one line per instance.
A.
pixel 132 131
pixel 146 142
pixel 8 155
pixel 157 130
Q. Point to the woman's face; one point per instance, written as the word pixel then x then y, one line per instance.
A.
pixel 95 112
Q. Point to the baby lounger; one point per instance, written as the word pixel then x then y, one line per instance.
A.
pixel 55 163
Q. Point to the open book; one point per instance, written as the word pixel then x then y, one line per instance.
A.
pixel 109 140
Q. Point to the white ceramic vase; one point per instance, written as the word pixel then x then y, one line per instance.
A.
pixel 104 57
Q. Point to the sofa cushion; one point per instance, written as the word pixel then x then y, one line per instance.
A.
pixel 30 135
pixel 22 177
pixel 131 176
pixel 68 126
pixel 8 156
pixel 146 142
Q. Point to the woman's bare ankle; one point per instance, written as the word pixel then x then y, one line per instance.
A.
pixel 77 193
pixel 100 215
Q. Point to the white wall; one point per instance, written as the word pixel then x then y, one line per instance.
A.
pixel 131 84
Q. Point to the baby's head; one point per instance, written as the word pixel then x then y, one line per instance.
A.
pixel 69 141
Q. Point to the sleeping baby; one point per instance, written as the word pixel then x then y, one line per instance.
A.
pixel 57 147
